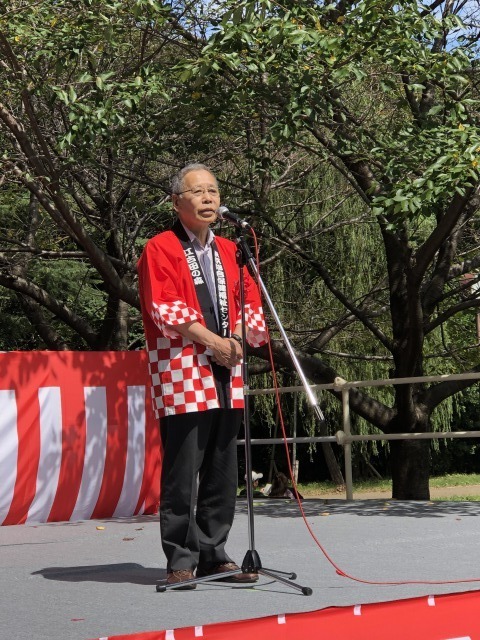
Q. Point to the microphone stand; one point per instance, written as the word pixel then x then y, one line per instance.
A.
pixel 251 562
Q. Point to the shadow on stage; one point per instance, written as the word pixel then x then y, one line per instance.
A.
pixel 126 572
pixel 287 508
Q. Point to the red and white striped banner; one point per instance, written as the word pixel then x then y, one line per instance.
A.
pixel 78 438
pixel 445 617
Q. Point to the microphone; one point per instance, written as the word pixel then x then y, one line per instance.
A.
pixel 224 214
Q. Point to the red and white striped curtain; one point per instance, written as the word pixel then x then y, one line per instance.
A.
pixel 78 438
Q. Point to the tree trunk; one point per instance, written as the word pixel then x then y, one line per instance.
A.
pixel 120 336
pixel 332 464
pixel 410 460
pixel 37 318
pixel 330 459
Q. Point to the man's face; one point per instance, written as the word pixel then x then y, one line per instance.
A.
pixel 196 206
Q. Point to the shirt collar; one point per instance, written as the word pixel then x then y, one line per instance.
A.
pixel 193 238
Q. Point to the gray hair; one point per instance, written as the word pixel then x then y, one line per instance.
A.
pixel 177 180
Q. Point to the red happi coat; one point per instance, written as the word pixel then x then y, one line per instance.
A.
pixel 181 374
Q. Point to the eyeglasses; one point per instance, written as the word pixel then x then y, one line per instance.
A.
pixel 197 192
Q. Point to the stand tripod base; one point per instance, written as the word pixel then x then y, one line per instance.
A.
pixel 251 564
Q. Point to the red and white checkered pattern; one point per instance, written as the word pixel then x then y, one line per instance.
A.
pixel 255 326
pixel 173 313
pixel 181 374
pixel 182 378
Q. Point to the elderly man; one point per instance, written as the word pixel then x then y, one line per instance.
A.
pixel 190 294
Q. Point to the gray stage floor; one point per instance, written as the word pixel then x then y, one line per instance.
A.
pixel 79 581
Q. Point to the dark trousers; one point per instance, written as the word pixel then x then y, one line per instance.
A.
pixel 199 467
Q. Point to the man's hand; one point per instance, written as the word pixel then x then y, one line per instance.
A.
pixel 226 352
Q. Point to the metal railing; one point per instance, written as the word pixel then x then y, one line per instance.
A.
pixel 344 436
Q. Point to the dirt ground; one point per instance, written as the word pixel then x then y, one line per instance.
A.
pixel 435 493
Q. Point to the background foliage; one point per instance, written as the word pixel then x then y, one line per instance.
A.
pixel 347 133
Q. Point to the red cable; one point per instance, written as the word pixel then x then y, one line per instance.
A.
pixel 338 570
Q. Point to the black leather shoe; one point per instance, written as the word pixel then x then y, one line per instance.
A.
pixel 179 576
pixel 223 567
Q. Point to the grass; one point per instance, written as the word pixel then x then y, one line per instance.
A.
pixel 455 480
pixel 312 488
pixel 461 480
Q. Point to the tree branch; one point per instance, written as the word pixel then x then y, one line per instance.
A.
pixel 35 293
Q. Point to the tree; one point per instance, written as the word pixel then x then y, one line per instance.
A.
pixel 83 115
pixel 341 131
pixel 387 95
